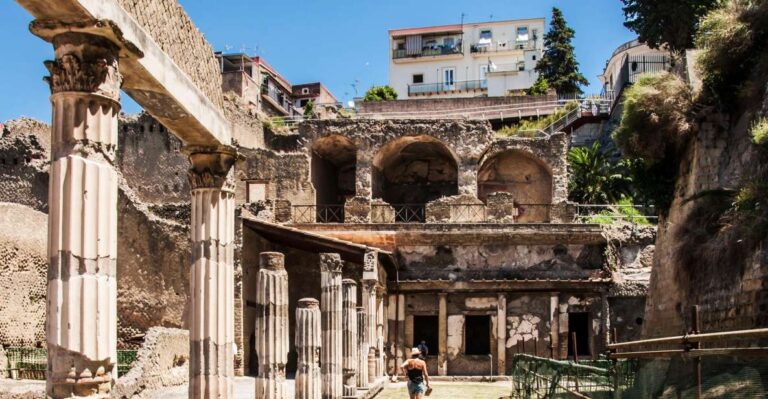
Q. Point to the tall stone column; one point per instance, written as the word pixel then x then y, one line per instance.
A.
pixel 349 336
pixel 362 348
pixel 380 320
pixel 272 342
pixel 369 303
pixel 308 343
pixel 81 319
pixel 442 339
pixel 211 286
pixel 605 322
pixel 331 305
pixel 501 335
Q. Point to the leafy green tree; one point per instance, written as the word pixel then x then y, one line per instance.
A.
pixel 539 88
pixel 380 93
pixel 666 22
pixel 558 66
pixel 594 179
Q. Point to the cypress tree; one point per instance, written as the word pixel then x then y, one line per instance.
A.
pixel 558 67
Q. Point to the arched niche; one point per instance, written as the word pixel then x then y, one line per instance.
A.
pixel 519 173
pixel 334 160
pixel 414 170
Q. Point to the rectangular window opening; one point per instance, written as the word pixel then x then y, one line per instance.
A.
pixel 426 328
pixel 477 335
pixel 578 322
pixel 257 191
pixel 418 78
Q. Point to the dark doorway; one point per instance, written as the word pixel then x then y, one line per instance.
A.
pixel 578 322
pixel 427 329
pixel 477 335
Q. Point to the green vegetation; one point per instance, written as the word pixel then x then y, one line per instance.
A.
pixel 759 131
pixel 623 211
pixel 530 127
pixel 594 179
pixel 380 93
pixel 274 124
pixel 539 88
pixel 309 109
pixel 666 23
pixel 655 116
pixel 734 50
pixel 558 67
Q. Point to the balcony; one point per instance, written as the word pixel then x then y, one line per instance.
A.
pixel 427 52
pixel 454 87
pixel 482 48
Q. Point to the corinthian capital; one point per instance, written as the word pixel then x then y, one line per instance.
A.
pixel 331 262
pixel 211 167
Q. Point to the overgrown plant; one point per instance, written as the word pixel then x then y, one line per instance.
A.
pixel 759 131
pixel 380 93
pixel 594 178
pixel 733 46
pixel 530 127
pixel 655 116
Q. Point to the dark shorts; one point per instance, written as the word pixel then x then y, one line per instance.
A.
pixel 416 387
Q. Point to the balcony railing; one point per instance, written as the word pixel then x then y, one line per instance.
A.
pixel 318 214
pixel 447 87
pixel 427 52
pixel 500 47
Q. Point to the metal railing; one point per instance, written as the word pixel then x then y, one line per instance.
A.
pixel 318 213
pixel 32 363
pixel 501 47
pixel 428 52
pixel 398 213
pixel 445 87
pixel 538 377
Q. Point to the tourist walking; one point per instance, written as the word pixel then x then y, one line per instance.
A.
pixel 416 371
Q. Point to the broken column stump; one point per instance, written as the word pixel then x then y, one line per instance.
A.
pixel 308 343
pixel 272 342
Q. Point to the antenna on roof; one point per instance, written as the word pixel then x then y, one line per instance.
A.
pixel 462 19
pixel 227 47
pixel 490 18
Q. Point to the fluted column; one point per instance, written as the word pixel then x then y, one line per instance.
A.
pixel 308 343
pixel 271 331
pixel 369 303
pixel 380 319
pixel 331 307
pixel 81 320
pixel 211 283
pixel 349 336
pixel 362 348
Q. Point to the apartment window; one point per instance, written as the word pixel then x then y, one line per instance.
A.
pixel 430 44
pixel 477 335
pixel 400 45
pixel 533 57
pixel 486 34
pixel 448 42
pixel 418 78
pixel 305 90
pixel 257 191
pixel 522 33
pixel 303 103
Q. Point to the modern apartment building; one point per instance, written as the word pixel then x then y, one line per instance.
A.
pixel 465 60
pixel 262 87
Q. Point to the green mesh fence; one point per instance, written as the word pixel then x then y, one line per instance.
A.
pixel 539 378
pixel 31 363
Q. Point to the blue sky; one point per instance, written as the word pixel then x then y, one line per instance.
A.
pixel 338 42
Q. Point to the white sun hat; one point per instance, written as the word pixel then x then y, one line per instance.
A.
pixel 415 351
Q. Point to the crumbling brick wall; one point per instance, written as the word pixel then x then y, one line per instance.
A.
pixel 176 34
pixel 23 268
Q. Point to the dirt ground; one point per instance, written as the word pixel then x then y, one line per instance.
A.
pixel 452 390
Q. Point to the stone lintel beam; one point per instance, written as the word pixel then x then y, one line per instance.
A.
pixel 594 286
pixel 151 77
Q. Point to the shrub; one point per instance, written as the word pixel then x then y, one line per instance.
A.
pixel 593 178
pixel 624 211
pixel 309 109
pixel 380 93
pixel 655 116
pixel 725 40
pixel 539 88
pixel 759 131
pixel 530 127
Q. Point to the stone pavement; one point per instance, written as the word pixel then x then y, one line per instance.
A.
pixel 452 390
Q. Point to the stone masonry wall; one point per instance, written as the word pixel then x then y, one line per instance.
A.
pixel 176 34
pixel 24 148
pixel 23 268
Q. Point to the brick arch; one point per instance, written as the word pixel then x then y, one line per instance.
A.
pixel 518 172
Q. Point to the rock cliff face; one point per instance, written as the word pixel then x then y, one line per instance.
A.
pixel 707 253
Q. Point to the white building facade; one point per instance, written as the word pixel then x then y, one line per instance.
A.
pixel 468 60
